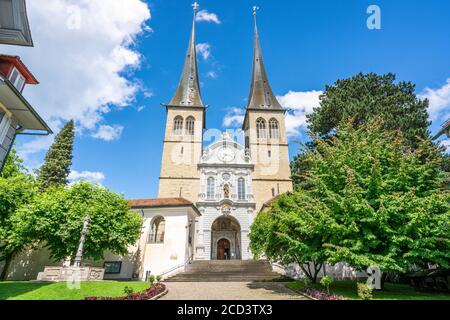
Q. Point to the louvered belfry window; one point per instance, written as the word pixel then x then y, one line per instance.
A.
pixel 178 125
pixel 261 128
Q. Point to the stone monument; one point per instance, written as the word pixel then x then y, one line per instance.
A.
pixel 75 272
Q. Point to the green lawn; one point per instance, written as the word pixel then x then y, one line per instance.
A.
pixel 60 291
pixel 391 292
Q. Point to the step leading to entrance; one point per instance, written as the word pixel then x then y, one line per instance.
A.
pixel 228 271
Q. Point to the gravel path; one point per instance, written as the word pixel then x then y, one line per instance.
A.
pixel 230 291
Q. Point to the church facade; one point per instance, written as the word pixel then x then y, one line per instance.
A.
pixel 209 195
pixel 226 182
pixel 225 201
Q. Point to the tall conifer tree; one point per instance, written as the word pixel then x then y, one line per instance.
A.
pixel 56 169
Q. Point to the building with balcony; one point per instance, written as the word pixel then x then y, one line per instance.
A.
pixel 17 116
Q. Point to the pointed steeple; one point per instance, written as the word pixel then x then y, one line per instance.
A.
pixel 261 94
pixel 188 91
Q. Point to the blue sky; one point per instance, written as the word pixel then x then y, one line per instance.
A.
pixel 306 45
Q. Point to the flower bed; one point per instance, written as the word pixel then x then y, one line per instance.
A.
pixel 319 294
pixel 148 294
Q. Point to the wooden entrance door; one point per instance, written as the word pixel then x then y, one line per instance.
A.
pixel 223 249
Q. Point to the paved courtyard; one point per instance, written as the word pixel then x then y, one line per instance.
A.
pixel 229 291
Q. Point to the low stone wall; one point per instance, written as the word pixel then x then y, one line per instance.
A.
pixel 340 271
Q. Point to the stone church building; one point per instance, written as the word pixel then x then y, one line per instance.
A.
pixel 226 183
pixel 209 195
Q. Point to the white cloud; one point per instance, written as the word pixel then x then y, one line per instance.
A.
pixel 204 49
pixel 83 56
pixel 299 104
pixel 204 15
pixel 36 145
pixel 108 133
pixel 96 177
pixel 212 75
pixel 439 99
pixel 234 118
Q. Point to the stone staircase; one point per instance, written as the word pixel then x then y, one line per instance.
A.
pixel 228 271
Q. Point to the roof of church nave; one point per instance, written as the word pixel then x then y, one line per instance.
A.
pixel 161 203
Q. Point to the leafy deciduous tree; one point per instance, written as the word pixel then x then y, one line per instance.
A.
pixel 294 231
pixel 56 218
pixel 16 189
pixel 370 200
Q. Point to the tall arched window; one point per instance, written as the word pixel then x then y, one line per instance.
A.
pixel 261 130
pixel 274 129
pixel 210 189
pixel 178 125
pixel 158 228
pixel 190 126
pixel 241 189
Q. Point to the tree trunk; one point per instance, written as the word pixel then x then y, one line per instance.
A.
pixel 8 261
pixel 308 274
pixel 383 279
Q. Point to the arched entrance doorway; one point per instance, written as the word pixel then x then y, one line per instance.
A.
pixel 223 249
pixel 226 239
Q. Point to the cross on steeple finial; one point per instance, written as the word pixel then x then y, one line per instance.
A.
pixel 255 10
pixel 195 5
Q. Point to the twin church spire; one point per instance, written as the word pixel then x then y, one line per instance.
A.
pixel 261 94
pixel 188 91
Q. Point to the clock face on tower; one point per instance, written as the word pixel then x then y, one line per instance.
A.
pixel 226 154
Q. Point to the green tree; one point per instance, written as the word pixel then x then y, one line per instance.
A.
pixel 13 165
pixel 300 164
pixel 17 188
pixel 446 162
pixel 368 96
pixel 380 203
pixel 389 201
pixel 294 230
pixel 56 168
pixel 56 217
pixel 363 98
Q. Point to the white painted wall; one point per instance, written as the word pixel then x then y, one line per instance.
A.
pixel 28 264
pixel 154 257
